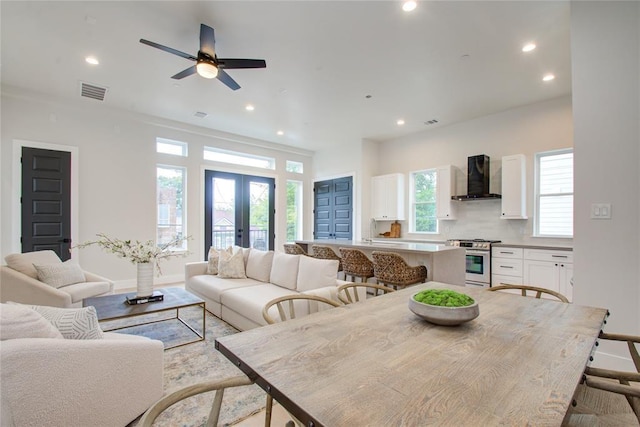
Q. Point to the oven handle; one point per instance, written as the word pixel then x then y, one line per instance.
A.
pixel 472 252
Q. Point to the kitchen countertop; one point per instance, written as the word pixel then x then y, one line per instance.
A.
pixel 377 245
pixel 519 245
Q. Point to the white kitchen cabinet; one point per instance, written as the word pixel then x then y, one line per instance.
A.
pixel 506 266
pixel 445 188
pixel 549 269
pixel 514 187
pixel 387 197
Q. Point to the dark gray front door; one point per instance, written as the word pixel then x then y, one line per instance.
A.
pixel 46 201
pixel 333 209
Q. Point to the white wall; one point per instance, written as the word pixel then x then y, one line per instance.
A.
pixel 117 175
pixel 525 130
pixel 605 46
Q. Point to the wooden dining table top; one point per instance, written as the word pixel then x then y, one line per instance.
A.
pixel 375 363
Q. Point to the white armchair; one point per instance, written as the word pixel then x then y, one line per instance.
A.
pixel 19 282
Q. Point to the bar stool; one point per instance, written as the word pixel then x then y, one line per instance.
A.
pixel 325 252
pixel 356 264
pixel 293 249
pixel 391 269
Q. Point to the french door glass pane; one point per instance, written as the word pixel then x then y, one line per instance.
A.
pixel 224 213
pixel 259 215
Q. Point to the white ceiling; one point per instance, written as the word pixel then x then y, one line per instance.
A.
pixel 323 59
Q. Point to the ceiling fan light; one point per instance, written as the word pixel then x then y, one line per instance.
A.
pixel 207 70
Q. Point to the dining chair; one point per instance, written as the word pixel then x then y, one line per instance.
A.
pixel 392 270
pixel 286 306
pixel 348 293
pixel 325 252
pixel 527 288
pixel 356 264
pixel 599 378
pixel 219 386
pixel 294 249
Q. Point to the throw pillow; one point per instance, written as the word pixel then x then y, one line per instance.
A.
pixel 19 321
pixel 73 323
pixel 231 264
pixel 284 270
pixel 24 262
pixel 316 273
pixel 60 274
pixel 214 256
pixel 259 265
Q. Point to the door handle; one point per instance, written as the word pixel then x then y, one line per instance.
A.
pixel 64 240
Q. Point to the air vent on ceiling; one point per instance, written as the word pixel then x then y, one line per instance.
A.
pixel 201 114
pixel 92 91
pixel 431 122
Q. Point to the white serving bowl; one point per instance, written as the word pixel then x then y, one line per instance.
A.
pixel 447 316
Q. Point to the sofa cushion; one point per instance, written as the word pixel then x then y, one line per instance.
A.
pixel 284 270
pixel 20 321
pixel 73 323
pixel 231 264
pixel 212 287
pixel 259 265
pixel 60 274
pixel 24 262
pixel 316 273
pixel 213 258
pixel 250 301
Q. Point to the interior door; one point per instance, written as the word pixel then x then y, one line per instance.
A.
pixel 239 210
pixel 46 201
pixel 333 209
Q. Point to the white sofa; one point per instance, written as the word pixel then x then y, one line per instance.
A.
pixel 270 275
pixel 48 380
pixel 19 282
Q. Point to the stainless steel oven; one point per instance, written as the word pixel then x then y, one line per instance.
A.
pixel 478 261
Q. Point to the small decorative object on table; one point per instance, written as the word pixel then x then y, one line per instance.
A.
pixel 145 255
pixel 444 307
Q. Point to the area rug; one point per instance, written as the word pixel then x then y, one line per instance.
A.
pixel 194 363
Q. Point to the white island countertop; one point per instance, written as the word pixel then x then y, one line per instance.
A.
pixel 444 263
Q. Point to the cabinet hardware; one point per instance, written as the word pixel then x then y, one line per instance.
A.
pixel 510 253
pixel 509 266
pixel 558 256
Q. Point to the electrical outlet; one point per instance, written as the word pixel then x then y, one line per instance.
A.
pixel 601 211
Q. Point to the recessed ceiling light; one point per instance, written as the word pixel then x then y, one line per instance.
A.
pixel 548 77
pixel 280 133
pixel 408 6
pixel 249 107
pixel 92 60
pixel 400 122
pixel 528 47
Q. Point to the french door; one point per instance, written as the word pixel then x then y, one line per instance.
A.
pixel 239 210
pixel 333 209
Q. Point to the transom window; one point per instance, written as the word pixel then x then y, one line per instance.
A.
pixel 295 167
pixel 423 205
pixel 237 158
pixel 554 194
pixel 169 146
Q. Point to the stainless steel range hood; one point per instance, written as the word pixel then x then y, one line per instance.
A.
pixel 477 180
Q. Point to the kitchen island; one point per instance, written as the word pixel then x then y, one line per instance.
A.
pixel 444 263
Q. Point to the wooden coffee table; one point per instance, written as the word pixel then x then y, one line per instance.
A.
pixel 114 307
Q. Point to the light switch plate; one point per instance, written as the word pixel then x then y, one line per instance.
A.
pixel 601 211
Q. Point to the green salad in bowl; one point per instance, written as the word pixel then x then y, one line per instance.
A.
pixel 444 306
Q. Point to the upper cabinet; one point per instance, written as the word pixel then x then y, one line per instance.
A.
pixel 387 196
pixel 514 188
pixel 445 188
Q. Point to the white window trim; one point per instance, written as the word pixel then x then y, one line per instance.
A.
pixel 183 145
pixel 270 160
pixel 536 193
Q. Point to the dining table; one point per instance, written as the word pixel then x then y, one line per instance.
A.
pixel 376 363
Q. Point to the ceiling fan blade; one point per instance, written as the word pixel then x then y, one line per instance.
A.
pixel 226 79
pixel 185 73
pixel 231 63
pixel 168 49
pixel 207 40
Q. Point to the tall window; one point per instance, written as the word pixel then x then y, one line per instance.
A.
pixel 554 193
pixel 170 193
pixel 423 206
pixel 294 210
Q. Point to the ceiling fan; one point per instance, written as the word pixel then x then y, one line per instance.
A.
pixel 208 65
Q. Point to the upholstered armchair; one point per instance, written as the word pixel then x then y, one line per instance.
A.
pixel 53 282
